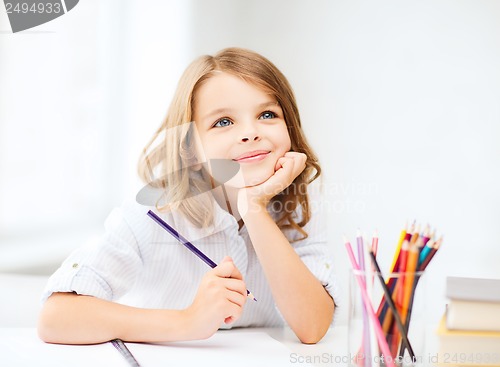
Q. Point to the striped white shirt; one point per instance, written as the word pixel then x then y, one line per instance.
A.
pixel 138 263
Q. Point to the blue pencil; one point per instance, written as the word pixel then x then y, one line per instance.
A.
pixel 188 244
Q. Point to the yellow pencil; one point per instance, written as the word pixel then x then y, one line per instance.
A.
pixel 398 247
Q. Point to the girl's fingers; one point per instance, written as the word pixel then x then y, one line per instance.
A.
pixel 235 285
pixel 295 161
pixel 237 298
pixel 227 269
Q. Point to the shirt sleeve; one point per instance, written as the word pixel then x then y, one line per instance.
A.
pixel 105 269
pixel 317 256
pixel 315 251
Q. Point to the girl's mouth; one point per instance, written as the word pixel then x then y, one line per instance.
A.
pixel 253 156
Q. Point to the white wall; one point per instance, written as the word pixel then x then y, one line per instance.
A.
pixel 79 98
pixel 400 100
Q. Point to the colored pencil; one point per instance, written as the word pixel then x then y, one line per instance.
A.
pixel 407 280
pixel 382 313
pixel 125 352
pixel 366 329
pixel 391 304
pixel 366 299
pixel 395 286
pixel 427 235
pixel 413 254
pixel 398 247
pixel 420 270
pixel 415 235
pixel 411 267
pixel 430 255
pixel 375 243
pixel 425 251
pixel 402 269
pixel 188 244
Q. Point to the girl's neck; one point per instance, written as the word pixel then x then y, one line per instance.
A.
pixel 227 198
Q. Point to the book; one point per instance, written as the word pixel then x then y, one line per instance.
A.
pixel 474 304
pixel 473 289
pixel 467 348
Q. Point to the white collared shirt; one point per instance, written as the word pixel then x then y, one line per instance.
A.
pixel 138 263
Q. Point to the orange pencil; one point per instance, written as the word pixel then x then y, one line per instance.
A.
pixel 407 280
pixel 411 267
pixel 415 235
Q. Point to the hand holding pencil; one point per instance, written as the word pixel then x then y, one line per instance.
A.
pixel 221 294
pixel 220 298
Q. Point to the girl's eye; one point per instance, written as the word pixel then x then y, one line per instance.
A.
pixel 223 122
pixel 268 115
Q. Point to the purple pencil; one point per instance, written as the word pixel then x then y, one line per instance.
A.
pixel 188 244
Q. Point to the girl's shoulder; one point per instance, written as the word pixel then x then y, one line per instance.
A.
pixel 134 213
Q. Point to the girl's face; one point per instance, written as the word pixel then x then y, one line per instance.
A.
pixel 238 121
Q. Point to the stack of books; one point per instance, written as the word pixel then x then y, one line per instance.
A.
pixel 469 332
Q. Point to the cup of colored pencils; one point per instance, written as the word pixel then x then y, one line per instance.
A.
pixel 386 317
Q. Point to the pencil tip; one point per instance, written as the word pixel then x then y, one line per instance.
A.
pixel 250 295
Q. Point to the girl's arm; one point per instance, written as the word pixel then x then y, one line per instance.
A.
pixel 68 318
pixel 302 300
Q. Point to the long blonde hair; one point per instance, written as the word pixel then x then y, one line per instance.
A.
pixel 167 157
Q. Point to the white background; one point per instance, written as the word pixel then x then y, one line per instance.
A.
pixel 400 99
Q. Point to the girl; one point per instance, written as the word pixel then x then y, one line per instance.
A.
pixel 139 284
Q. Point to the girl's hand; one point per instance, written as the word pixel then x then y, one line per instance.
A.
pixel 220 298
pixel 257 197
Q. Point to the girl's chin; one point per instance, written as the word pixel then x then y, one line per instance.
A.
pixel 241 181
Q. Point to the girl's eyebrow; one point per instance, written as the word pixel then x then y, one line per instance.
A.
pixel 217 112
pixel 228 111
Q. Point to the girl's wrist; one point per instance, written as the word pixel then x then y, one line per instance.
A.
pixel 250 206
pixel 187 325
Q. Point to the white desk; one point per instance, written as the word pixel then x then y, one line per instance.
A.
pixel 22 347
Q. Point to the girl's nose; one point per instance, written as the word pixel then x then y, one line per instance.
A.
pixel 249 132
pixel 250 137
